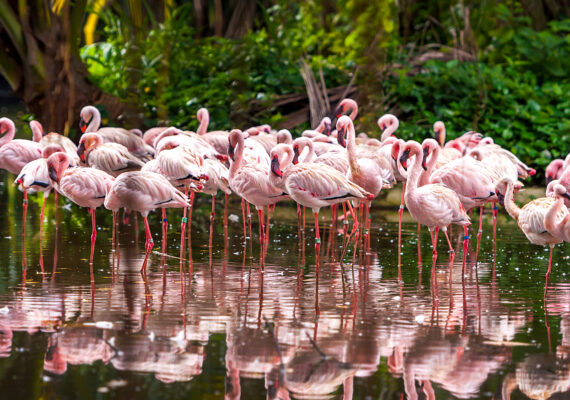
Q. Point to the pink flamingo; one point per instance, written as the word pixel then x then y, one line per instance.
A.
pixel 388 123
pixel 554 224
pixel 530 218
pixel 250 179
pixel 563 181
pixel 144 191
pixel 90 121
pixel 369 169
pixel 86 187
pixel 113 158
pixel 433 205
pixel 345 106
pixel 312 185
pixel 54 138
pixel 336 159
pixel 218 139
pixel 150 135
pixel 448 152
pixel 325 126
pixel 34 177
pixel 554 170
pixel 15 153
pixel 284 136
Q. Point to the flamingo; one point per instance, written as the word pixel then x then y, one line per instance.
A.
pixel 324 126
pixel 448 152
pixel 90 121
pixel 433 205
pixel 336 159
pixel 86 187
pixel 34 177
pixel 263 138
pixel 554 170
pixel 151 134
pixel 15 153
pixel 345 106
pixel 388 123
pixel 284 136
pixel 250 179
pixel 218 179
pixel 144 191
pixel 113 158
pixel 530 218
pixel 369 169
pixel 557 227
pixel 312 185
pixel 54 138
pixel 564 181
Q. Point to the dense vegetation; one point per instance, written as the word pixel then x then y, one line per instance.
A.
pixel 500 68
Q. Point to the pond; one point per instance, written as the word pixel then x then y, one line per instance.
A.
pixel 220 323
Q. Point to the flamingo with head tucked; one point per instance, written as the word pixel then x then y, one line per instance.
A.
pixel 15 153
pixel 564 181
pixel 554 170
pixel 557 227
pixel 54 138
pixel 433 205
pixel 113 158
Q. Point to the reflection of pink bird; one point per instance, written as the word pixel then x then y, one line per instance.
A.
pixel 433 205
pixel 559 228
pixel 530 218
pixel 143 192
pixel 15 153
pixel 312 185
pixel 87 187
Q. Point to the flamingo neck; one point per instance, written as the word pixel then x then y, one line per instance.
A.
pixel 510 204
pixel 554 227
pixel 310 157
pixel 416 170
pixel 9 134
pixel 204 122
pixel 236 164
pixel 389 131
pixel 95 121
pixel 432 161
pixel 351 150
pixel 37 133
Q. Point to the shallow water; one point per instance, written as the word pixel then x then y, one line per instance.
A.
pixel 219 325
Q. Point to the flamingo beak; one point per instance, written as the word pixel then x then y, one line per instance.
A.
pixel 501 198
pixel 82 125
pixel 532 172
pixel 338 112
pixel 231 153
pixel 404 159
pixel 424 161
pixel 549 179
pixel 81 151
pixel 3 131
pixel 566 195
pixel 275 168
pixel 341 136
pixel 327 129
pixel 296 155
pixel 438 137
pixel 52 173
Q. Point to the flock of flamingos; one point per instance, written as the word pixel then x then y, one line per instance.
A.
pixel 331 165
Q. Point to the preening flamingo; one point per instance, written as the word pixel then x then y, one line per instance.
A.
pixel 143 191
pixel 54 138
pixel 433 205
pixel 86 187
pixel 312 185
pixel 530 218
pixel 90 121
pixel 554 170
pixel 559 228
pixel 325 126
pixel 113 158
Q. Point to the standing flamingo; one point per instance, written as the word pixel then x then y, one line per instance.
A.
pixel 250 179
pixel 55 139
pixel 86 187
pixel 564 181
pixel 144 191
pixel 531 217
pixel 312 185
pixel 554 170
pixel 556 226
pixel 433 205
pixel 15 153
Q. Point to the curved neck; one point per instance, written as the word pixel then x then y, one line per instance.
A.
pixel 390 129
pixel 352 104
pixel 204 118
pixel 37 131
pixel 430 165
pixel 236 164
pixel 310 157
pixel 95 121
pixel 510 204
pixel 10 133
pixel 416 170
pixel 555 228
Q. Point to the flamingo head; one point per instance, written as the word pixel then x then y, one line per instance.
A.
pixel 49 150
pixel 57 164
pixel 265 128
pixel 342 126
pixel 88 141
pixel 439 130
pixel 295 154
pixel 404 159
pixel 328 126
pixel 5 125
pixel 275 167
pixel 85 119
pixel 424 161
pixel 202 112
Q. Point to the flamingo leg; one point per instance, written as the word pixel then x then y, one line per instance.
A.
pixel 495 212
pixel 93 233
pixel 190 210
pixel 451 250
pixel 304 209
pixel 267 227
pixel 479 232
pixel 183 229
pixel 243 217
pixel 226 211
pixel 43 211
pixel 400 213
pixel 419 245
pixel 56 200
pixel 299 215
pixel 317 232
pixel 164 229
pixel 149 243
pixel 548 272
pixel 355 226
pixel 213 207
pixel 25 211
pixel 465 245
pixel 114 226
pixel 261 236
pixel 433 242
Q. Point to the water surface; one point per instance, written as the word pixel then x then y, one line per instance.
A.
pixel 222 324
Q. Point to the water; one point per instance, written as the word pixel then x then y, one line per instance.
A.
pixel 218 325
